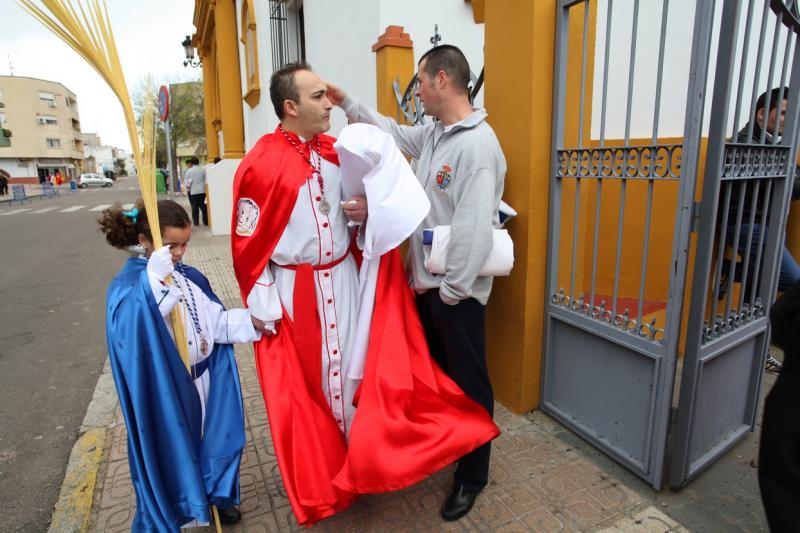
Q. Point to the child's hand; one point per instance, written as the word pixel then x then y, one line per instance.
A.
pixel 266 328
pixel 160 263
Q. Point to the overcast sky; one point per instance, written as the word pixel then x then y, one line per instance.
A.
pixel 148 35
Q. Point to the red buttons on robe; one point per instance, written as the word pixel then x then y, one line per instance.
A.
pixel 318 198
pixel 333 326
pixel 330 301
pixel 335 374
pixel 327 274
pixel 336 397
pixel 328 254
pixel 334 353
pixel 325 225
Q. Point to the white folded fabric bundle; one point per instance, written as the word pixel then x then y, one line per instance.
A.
pixel 499 262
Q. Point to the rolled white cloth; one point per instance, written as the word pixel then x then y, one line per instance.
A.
pixel 499 263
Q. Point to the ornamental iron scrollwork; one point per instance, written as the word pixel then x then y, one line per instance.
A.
pixel 755 161
pixel 661 161
pixel 601 313
pixel 790 11
pixel 735 320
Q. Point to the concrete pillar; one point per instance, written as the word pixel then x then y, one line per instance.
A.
pixel 518 98
pixel 394 60
pixel 230 83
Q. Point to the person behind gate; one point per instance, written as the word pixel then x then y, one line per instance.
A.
pixel 462 168
pixel 772 120
pixel 296 270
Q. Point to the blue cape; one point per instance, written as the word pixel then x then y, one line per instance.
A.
pixel 175 473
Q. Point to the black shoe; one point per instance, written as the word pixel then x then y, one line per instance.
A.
pixel 458 503
pixel 229 516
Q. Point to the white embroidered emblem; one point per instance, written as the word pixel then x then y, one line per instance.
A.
pixel 246 217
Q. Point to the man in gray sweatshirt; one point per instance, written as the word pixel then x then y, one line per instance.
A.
pixel 461 166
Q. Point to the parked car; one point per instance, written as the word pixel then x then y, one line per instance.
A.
pixel 88 180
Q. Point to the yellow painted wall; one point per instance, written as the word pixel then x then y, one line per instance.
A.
pixel 518 99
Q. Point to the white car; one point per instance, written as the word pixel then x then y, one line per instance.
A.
pixel 87 180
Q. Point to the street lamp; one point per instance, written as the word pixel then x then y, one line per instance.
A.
pixel 188 49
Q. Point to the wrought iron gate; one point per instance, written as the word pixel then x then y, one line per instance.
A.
pixel 622 214
pixel 749 173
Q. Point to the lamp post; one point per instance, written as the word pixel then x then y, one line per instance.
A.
pixel 188 50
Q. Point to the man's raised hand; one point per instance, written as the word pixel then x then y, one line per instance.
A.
pixel 335 94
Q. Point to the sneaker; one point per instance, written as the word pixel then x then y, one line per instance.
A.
pixel 772 365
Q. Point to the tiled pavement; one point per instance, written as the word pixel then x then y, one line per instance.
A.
pixel 543 478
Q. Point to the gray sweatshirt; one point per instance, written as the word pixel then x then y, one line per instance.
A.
pixel 462 171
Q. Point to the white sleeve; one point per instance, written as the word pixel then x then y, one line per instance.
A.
pixel 167 296
pixel 263 302
pixel 231 326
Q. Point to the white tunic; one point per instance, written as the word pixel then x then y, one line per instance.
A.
pixel 315 238
pixel 216 324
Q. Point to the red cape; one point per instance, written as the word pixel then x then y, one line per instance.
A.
pixel 412 420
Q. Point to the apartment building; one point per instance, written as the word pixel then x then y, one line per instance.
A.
pixel 41 130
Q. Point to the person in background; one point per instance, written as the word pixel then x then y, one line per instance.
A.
pixel 196 189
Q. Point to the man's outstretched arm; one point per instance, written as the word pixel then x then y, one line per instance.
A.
pixel 410 139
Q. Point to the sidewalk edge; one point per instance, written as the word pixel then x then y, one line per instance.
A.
pixel 73 509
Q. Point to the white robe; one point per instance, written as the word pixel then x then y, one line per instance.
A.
pixel 216 324
pixel 315 238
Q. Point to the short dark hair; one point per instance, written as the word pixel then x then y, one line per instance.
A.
pixel 282 86
pixel 451 60
pixel 774 94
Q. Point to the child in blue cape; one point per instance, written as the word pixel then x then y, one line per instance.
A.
pixel 185 427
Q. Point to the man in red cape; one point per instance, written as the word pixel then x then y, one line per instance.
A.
pixel 291 251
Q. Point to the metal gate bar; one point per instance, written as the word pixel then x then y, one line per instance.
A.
pixel 583 334
pixel 725 349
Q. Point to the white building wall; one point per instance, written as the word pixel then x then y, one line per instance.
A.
pixel 677 58
pixel 17 170
pixel 339 35
pixel 339 39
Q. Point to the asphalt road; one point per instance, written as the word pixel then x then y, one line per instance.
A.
pixel 54 270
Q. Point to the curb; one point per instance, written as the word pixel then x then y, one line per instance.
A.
pixel 74 506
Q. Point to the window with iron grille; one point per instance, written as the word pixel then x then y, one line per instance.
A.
pixel 287 32
pixel 53 143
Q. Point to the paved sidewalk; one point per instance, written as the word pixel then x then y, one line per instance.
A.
pixel 543 477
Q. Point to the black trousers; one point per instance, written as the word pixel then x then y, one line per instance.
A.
pixel 198 203
pixel 457 341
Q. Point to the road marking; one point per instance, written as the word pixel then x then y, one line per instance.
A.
pixel 71 209
pixel 100 207
pixel 132 188
pixel 15 211
pixel 45 210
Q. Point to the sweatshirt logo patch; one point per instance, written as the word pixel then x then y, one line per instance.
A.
pixel 444 178
pixel 247 213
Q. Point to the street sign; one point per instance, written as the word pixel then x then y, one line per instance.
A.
pixel 163 102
